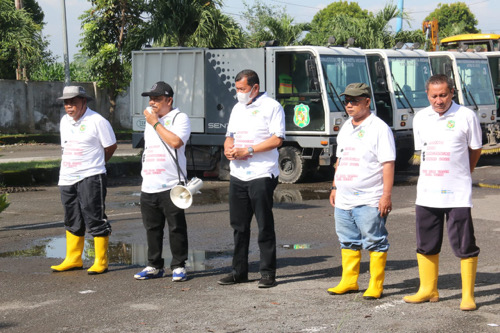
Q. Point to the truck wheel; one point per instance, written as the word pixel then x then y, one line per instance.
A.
pixel 292 165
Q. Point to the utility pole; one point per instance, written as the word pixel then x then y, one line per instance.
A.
pixel 399 22
pixel 67 77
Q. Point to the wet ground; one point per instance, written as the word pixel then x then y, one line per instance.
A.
pixel 32 298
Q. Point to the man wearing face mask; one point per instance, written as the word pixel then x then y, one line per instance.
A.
pixel 256 129
pixel 87 142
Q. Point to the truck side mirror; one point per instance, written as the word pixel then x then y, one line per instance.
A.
pixel 380 69
pixel 447 70
pixel 312 74
pixel 381 75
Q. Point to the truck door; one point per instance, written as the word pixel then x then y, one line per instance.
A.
pixel 298 94
pixel 444 65
pixel 381 91
pixel 495 77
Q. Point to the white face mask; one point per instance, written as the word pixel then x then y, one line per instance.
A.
pixel 244 98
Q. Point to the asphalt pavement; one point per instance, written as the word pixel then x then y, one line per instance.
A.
pixel 32 298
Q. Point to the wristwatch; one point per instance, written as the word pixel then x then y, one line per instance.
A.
pixel 250 151
pixel 333 188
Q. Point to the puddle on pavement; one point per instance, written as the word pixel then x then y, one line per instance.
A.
pixel 221 195
pixel 122 254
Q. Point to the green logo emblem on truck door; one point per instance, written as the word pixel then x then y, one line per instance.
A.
pixel 301 116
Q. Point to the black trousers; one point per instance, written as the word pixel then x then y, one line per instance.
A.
pixel 247 198
pixel 84 206
pixel 430 228
pixel 155 209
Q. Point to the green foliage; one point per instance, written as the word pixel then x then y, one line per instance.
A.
pixel 216 30
pixel 410 36
pixel 196 23
pixel 3 202
pixel 54 71
pixel 265 23
pixel 112 30
pixel 23 166
pixel 35 11
pixel 21 42
pixel 320 20
pixel 455 18
pixel 369 31
pixel 321 25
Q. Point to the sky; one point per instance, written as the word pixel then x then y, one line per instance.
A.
pixel 486 12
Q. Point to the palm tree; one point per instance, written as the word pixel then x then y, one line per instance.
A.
pixel 266 23
pixel 192 23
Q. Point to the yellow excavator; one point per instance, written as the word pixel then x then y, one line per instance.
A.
pixel 430 29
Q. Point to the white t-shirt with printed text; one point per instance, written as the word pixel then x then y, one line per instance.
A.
pixel 361 150
pixel 159 170
pixel 83 144
pixel 250 125
pixel 445 180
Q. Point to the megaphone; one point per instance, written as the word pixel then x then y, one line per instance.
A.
pixel 182 196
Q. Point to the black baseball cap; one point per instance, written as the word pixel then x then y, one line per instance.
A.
pixel 160 88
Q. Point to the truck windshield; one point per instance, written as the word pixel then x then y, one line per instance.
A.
pixel 408 77
pixel 476 81
pixel 341 71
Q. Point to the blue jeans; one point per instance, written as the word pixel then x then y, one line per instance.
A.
pixel 361 228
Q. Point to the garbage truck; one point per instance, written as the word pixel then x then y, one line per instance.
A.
pixel 398 78
pixel 306 80
pixel 471 75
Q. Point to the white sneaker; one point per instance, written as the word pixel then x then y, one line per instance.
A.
pixel 150 273
pixel 179 274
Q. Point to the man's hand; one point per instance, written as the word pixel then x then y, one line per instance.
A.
pixel 151 117
pixel 228 152
pixel 385 205
pixel 238 153
pixel 332 197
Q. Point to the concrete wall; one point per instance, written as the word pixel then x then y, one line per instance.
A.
pixel 33 107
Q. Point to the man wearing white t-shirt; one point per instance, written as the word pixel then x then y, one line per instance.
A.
pixel 256 129
pixel 87 142
pixel 361 191
pixel 449 138
pixel 163 162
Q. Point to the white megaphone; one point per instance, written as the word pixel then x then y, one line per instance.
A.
pixel 182 196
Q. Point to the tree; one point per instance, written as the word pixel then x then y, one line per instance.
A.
pixel 197 23
pixel 410 36
pixel 35 11
pixel 112 29
pixel 455 18
pixel 321 23
pixel 21 42
pixel 265 23
pixel 371 31
pixel 50 70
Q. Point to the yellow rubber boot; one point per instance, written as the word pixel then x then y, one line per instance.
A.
pixel 74 250
pixel 428 269
pixel 469 268
pixel 350 273
pixel 101 256
pixel 377 275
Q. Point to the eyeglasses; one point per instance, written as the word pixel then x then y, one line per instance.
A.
pixel 355 101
